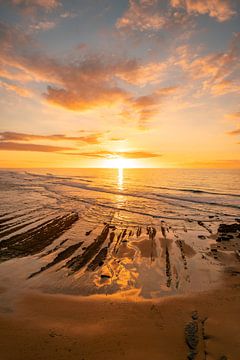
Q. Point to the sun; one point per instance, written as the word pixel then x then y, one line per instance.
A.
pixel 119 162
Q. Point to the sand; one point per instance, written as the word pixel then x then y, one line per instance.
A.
pixel 43 326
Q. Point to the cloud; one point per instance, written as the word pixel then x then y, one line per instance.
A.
pixel 21 91
pixel 85 83
pixel 222 10
pixel 43 25
pixel 217 72
pixel 15 136
pixel 14 146
pixel 151 15
pixel 225 87
pixel 234 132
pixel 89 81
pixel 117 154
pixel 85 97
pixel 117 139
pixel 137 154
pixel 234 115
pixel 45 4
pixel 144 108
pixel 141 15
pixel 144 74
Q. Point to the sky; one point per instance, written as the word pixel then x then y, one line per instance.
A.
pixel 120 83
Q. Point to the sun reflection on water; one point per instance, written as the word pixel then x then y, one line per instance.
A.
pixel 120 179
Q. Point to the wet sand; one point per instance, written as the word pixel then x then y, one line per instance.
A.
pixel 202 326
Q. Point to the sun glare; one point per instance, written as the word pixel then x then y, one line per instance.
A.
pixel 120 163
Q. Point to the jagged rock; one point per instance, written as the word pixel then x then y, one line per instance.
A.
pixel 229 228
pixel 195 315
pixel 191 338
pixel 191 335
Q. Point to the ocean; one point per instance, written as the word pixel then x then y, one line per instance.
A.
pixel 150 193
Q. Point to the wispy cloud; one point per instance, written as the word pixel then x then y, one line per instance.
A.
pixel 225 87
pixel 234 132
pixel 15 136
pixel 217 73
pixel 43 25
pixel 19 90
pixel 222 10
pixel 15 146
pixel 117 154
pixel 145 107
pixel 140 75
pixel 45 4
pixel 141 15
pixel 234 115
pixel 151 16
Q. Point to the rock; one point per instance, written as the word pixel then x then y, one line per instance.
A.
pixel 195 315
pixel 105 276
pixel 191 335
pixel 225 237
pixel 229 228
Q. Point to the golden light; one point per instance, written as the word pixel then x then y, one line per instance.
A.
pixel 120 179
pixel 119 162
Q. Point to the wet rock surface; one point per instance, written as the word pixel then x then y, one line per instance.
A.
pixel 154 257
pixel 60 257
pixel 35 240
pixel 80 261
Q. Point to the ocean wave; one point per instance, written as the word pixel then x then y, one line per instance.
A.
pixel 152 196
pixel 195 191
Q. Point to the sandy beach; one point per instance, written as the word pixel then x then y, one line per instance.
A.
pixel 202 326
pixel 88 282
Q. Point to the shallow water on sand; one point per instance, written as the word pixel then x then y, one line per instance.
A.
pixel 91 231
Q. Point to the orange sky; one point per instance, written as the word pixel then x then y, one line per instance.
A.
pixel 138 83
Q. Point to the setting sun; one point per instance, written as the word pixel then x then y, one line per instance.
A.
pixel 120 163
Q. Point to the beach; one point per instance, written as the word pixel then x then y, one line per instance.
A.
pixel 92 269
pixel 56 327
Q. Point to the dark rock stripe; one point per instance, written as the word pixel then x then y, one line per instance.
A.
pixel 19 225
pixel 98 261
pixel 78 262
pixel 35 240
pixel 66 253
pixel 54 249
pixel 168 268
pixel 180 245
